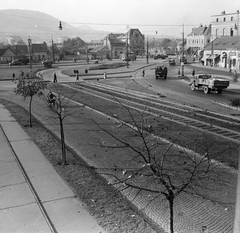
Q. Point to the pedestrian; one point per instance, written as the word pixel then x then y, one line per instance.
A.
pixel 193 72
pixel 104 75
pixel 86 71
pixel 13 75
pixel 235 76
pixel 55 78
pixel 143 73
pixel 77 75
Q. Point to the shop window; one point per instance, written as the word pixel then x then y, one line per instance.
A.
pixel 231 32
pixel 234 62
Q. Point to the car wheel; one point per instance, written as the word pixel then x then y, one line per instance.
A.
pixel 219 91
pixel 206 90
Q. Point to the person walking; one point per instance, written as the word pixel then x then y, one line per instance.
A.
pixel 193 72
pixel 104 75
pixel 55 78
pixel 235 79
pixel 143 73
pixel 86 71
pixel 77 76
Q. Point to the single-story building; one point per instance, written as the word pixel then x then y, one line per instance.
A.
pixel 6 55
pixel 223 52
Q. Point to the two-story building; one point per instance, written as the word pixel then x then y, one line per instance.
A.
pixel 225 24
pixel 198 39
pixel 120 43
pixel 135 41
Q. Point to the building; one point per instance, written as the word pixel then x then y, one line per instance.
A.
pixel 135 40
pixel 100 52
pixel 198 39
pixel 225 24
pixel 122 43
pixel 116 46
pixel 7 55
pixel 38 52
pixel 223 52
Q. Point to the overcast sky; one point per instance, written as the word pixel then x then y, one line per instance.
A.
pixel 149 16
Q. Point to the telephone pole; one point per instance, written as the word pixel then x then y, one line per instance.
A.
pixel 147 50
pixel 182 63
pixel 53 52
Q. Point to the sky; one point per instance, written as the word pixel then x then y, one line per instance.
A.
pixel 150 16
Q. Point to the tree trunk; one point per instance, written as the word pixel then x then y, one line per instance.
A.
pixel 170 200
pixel 63 142
pixel 30 111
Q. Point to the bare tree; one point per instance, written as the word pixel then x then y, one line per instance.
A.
pixel 62 109
pixel 155 167
pixel 28 85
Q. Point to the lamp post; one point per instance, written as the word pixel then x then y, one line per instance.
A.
pixel 30 56
pixel 127 51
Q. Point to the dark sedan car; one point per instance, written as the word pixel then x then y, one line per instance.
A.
pixel 162 56
pixel 16 63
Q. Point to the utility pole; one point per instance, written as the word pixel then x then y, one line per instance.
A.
pixel 127 51
pixel 237 22
pixel 147 50
pixel 53 52
pixel 182 63
pixel 30 56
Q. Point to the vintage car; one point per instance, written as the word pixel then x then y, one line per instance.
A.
pixel 209 83
pixel 161 71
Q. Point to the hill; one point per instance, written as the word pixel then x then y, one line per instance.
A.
pixel 41 27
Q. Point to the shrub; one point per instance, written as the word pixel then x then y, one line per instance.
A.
pixel 235 101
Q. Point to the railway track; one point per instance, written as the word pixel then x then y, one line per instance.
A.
pixel 201 119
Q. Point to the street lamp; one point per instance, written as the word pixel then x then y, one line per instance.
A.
pixel 182 63
pixel 30 57
pixel 127 51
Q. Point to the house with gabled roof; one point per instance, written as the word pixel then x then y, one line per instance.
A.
pixel 135 40
pixel 6 55
pixel 223 52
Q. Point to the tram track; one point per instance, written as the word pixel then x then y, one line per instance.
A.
pixel 201 119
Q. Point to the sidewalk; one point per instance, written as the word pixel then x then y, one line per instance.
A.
pixel 33 197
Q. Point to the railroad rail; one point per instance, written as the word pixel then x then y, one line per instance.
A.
pixel 201 119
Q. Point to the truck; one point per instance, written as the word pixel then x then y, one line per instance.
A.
pixel 161 71
pixel 209 83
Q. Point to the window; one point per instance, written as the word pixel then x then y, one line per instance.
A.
pixel 231 32
pixel 232 18
pixel 224 19
pixel 216 19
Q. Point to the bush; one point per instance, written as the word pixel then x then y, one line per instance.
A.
pixel 235 101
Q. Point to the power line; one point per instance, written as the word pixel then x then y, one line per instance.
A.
pixel 107 24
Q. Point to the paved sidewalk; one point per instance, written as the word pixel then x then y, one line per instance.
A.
pixel 33 197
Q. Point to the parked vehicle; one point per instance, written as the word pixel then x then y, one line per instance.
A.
pixel 172 62
pixel 161 56
pixel 15 63
pixel 129 57
pixel 161 71
pixel 209 83
pixel 23 59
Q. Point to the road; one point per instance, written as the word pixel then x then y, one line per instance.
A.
pixel 181 87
